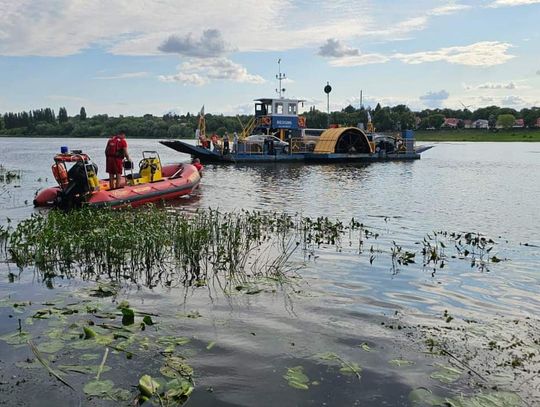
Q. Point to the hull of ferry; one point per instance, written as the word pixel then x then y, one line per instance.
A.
pixel 208 156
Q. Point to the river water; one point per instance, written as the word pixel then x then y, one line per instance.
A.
pixel 342 299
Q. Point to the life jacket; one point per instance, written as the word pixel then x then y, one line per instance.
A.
pixel 60 174
pixel 112 149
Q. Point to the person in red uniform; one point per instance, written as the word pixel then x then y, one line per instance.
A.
pixel 197 164
pixel 115 152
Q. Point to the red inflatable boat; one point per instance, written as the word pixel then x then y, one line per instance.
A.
pixel 78 185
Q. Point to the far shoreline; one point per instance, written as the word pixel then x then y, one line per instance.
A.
pixel 446 135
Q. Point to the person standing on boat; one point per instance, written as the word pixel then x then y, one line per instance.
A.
pixel 115 152
pixel 235 142
pixel 226 148
pixel 214 142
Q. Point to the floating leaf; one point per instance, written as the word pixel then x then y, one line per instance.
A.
pixel 327 356
pixel 446 374
pixel 424 397
pixel 400 362
pixel 148 320
pixel 493 399
pixel 51 347
pixel 365 347
pixel 350 368
pixel 178 388
pixel 148 386
pixel 16 338
pixel 98 388
pixel 210 345
pixel 296 378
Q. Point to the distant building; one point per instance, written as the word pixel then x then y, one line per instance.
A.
pixel 519 123
pixel 481 124
pixel 467 124
pixel 451 122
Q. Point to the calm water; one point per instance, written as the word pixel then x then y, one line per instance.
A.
pixel 342 299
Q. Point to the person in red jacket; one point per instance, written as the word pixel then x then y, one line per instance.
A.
pixel 197 164
pixel 115 152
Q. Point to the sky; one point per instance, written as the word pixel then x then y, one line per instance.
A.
pixel 133 57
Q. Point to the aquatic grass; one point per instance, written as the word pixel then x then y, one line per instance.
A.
pixel 164 246
pixel 159 245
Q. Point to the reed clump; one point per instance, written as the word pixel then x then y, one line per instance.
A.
pixel 163 245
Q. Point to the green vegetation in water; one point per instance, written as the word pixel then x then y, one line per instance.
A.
pixel 296 378
pixel 479 135
pixel 422 397
pixel 7 176
pixel 62 341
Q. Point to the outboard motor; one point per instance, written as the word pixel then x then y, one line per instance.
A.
pixel 81 179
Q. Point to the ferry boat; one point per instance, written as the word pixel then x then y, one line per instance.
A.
pixel 278 133
pixel 280 137
pixel 79 185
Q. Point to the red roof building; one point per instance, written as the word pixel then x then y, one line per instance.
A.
pixel 451 122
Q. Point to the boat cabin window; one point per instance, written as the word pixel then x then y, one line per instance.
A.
pixel 260 109
pixel 292 108
pixel 279 108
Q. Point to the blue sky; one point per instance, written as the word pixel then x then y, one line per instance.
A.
pixel 133 57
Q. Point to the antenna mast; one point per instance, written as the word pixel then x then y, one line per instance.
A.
pixel 280 76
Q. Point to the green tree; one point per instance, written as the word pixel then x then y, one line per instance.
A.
pixel 82 114
pixel 62 115
pixel 506 121
pixel 435 120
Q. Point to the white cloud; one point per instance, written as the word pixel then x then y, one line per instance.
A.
pixel 125 27
pixel 492 86
pixel 512 3
pixel 125 75
pixel 363 59
pixel 486 53
pixel 185 78
pixel 334 48
pixel 513 101
pixel 210 45
pixel 449 9
pixel 198 71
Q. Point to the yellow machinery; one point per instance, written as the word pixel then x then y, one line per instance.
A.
pixel 343 140
pixel 149 169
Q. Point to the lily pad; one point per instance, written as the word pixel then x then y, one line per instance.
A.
pixel 178 388
pixel 148 386
pixel 365 347
pixel 400 362
pixel 98 388
pixel 350 368
pixel 493 399
pixel 296 378
pixel 50 347
pixel 423 397
pixel 16 338
pixel 446 374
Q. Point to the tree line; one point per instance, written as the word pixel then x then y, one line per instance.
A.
pixel 44 122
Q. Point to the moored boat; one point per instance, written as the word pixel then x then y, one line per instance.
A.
pixel 80 186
